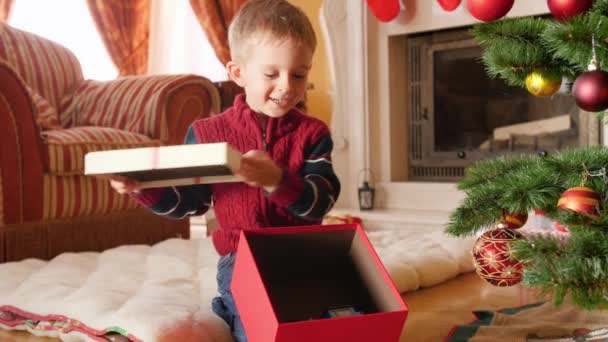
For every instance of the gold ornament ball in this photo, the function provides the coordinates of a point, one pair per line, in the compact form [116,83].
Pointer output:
[539,85]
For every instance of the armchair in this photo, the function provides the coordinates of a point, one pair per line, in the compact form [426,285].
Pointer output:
[50,117]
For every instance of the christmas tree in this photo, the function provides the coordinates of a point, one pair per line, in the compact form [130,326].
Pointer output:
[570,187]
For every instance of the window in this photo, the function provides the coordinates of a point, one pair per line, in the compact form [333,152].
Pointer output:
[178,44]
[78,34]
[177,41]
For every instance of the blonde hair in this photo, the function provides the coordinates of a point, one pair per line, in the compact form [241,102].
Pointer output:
[277,18]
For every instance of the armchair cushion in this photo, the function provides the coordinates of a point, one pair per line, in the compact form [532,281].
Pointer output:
[136,104]
[66,148]
[44,113]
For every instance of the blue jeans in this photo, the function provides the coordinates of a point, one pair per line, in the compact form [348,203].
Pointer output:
[224,305]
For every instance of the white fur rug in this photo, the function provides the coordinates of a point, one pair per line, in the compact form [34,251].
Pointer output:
[163,292]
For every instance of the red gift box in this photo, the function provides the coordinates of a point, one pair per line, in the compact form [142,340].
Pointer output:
[287,279]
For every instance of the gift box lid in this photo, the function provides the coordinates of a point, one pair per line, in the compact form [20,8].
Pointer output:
[287,281]
[167,165]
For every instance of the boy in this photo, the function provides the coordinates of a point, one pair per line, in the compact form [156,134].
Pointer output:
[286,169]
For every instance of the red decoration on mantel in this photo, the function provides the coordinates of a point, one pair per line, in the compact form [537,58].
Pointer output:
[384,10]
[449,5]
[489,10]
[566,9]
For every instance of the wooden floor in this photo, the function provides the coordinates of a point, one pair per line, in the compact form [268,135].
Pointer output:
[434,311]
[432,314]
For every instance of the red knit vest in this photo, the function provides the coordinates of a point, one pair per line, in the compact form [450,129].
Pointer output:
[241,207]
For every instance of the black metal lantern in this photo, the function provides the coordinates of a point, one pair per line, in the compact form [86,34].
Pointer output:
[366,192]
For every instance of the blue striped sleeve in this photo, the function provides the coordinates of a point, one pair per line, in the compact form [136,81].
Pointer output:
[177,202]
[314,192]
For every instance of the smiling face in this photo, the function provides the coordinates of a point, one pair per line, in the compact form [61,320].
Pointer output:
[273,73]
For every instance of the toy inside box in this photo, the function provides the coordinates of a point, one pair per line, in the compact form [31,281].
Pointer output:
[316,283]
[167,165]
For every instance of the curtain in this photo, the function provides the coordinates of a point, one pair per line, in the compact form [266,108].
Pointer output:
[215,17]
[5,9]
[124,27]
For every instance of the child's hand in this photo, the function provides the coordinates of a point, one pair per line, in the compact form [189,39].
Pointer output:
[124,185]
[259,170]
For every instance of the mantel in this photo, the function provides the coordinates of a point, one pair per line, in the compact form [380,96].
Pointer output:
[424,15]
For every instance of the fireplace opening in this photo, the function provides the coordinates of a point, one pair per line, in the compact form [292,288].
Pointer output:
[458,114]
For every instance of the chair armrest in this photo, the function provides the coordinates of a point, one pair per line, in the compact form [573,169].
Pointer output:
[21,157]
[161,107]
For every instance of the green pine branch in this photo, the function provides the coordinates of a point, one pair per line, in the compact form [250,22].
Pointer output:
[577,266]
[570,42]
[600,7]
[527,183]
[513,48]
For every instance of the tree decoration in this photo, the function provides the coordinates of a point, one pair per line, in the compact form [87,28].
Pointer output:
[489,10]
[590,89]
[581,200]
[494,259]
[512,221]
[541,86]
[449,5]
[566,9]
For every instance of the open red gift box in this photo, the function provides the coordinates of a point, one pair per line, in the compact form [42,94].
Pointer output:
[314,283]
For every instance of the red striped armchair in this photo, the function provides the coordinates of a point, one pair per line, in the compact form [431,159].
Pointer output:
[50,117]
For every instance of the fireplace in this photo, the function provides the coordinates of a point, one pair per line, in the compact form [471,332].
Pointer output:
[369,71]
[458,115]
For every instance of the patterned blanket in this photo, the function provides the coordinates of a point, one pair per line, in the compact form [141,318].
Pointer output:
[540,322]
[163,292]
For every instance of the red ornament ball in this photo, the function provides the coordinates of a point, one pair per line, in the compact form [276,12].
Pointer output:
[590,90]
[449,5]
[494,261]
[581,200]
[566,9]
[511,221]
[489,10]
